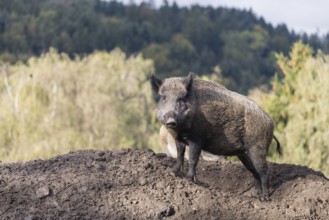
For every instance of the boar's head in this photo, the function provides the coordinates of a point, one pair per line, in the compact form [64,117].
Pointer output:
[175,101]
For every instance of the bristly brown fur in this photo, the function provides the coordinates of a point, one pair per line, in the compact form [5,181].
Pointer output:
[210,117]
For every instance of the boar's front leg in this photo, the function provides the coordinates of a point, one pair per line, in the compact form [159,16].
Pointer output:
[194,155]
[180,157]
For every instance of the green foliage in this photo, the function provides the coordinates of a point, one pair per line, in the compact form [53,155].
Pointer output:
[79,98]
[54,104]
[179,39]
[242,50]
[216,76]
[299,105]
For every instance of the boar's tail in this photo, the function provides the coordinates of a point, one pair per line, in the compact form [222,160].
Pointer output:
[278,146]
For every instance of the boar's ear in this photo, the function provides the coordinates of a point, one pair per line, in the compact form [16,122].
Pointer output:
[188,80]
[155,83]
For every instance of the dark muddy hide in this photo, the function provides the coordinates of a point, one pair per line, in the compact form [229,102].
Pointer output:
[175,105]
[206,116]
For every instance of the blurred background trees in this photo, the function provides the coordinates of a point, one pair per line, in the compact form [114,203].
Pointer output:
[75,97]
[299,104]
[54,104]
[178,39]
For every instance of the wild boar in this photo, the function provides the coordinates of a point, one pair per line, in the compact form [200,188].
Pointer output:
[207,116]
[168,145]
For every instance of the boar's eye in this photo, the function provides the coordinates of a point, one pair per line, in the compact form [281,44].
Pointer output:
[181,100]
[163,98]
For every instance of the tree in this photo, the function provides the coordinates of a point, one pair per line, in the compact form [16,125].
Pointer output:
[299,105]
[242,50]
[53,104]
[237,40]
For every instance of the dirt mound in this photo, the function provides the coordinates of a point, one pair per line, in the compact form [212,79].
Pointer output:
[133,184]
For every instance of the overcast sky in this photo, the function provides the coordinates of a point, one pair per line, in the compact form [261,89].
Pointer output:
[310,16]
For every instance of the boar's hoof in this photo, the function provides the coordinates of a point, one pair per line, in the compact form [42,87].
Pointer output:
[177,168]
[191,177]
[255,193]
[264,199]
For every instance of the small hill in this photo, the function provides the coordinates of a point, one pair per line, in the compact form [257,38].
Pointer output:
[136,184]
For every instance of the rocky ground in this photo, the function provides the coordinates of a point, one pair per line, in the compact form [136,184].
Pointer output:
[135,184]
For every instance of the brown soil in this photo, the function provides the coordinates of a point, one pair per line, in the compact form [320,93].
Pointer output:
[134,184]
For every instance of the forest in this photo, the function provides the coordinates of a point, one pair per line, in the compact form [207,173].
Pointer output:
[177,39]
[73,74]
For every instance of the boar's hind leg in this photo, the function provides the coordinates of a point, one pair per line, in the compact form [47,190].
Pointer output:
[258,159]
[180,157]
[250,166]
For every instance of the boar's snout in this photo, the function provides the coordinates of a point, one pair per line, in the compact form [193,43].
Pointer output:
[171,123]
[169,119]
